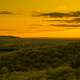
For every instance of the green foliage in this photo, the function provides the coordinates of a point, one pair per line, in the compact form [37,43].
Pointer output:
[61,73]
[39,59]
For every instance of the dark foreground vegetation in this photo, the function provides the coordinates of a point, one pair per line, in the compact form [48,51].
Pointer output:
[39,59]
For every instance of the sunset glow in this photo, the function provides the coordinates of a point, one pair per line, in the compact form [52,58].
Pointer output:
[40,18]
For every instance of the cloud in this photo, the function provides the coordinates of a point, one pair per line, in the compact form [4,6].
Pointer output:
[36,24]
[65,25]
[53,14]
[6,13]
[74,20]
[59,14]
[7,30]
[57,20]
[50,30]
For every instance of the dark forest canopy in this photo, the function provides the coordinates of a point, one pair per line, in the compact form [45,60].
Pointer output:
[58,59]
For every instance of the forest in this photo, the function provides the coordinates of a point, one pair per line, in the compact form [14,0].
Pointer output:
[39,59]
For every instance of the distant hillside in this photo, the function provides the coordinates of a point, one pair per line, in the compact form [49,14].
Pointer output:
[35,41]
[9,37]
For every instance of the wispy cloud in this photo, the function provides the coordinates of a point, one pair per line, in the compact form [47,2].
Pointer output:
[39,31]
[57,20]
[7,30]
[65,25]
[6,13]
[59,14]
[74,20]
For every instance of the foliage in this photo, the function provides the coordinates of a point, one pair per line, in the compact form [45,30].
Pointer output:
[39,59]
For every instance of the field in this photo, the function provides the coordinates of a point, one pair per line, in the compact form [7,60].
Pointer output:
[39,58]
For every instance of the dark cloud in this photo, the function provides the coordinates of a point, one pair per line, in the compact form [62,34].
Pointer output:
[55,14]
[59,14]
[57,20]
[75,14]
[65,25]
[53,20]
[75,20]
[5,13]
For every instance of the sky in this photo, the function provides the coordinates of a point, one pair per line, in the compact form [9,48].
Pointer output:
[40,18]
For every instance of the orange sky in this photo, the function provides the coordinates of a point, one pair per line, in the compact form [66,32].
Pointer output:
[20,22]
